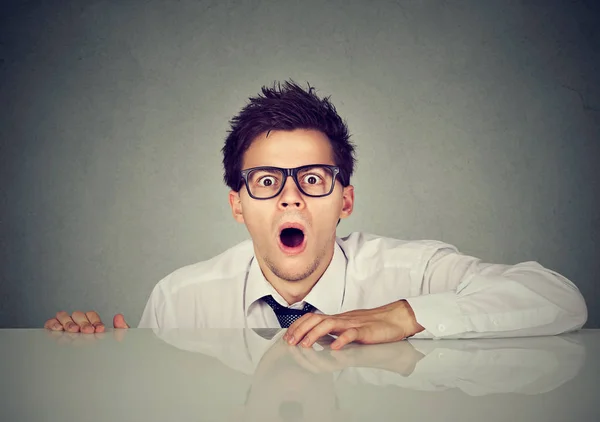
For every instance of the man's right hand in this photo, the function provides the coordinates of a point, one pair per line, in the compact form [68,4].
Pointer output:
[88,322]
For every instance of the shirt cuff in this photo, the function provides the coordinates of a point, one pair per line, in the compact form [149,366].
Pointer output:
[439,314]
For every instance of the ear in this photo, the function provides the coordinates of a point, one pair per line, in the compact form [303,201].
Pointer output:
[236,206]
[347,201]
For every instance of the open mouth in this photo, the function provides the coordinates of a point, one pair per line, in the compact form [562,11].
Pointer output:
[291,237]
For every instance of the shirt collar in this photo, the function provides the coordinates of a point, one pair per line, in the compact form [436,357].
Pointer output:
[327,294]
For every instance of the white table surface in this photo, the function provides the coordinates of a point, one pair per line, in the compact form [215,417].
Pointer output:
[228,375]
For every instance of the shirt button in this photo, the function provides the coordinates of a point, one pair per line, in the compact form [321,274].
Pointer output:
[495,321]
[442,327]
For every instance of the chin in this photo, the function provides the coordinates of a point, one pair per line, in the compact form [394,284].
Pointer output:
[293,272]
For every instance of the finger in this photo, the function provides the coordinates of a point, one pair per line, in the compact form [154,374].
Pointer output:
[53,324]
[119,321]
[84,324]
[95,320]
[299,321]
[294,326]
[67,323]
[348,336]
[326,326]
[324,342]
[300,327]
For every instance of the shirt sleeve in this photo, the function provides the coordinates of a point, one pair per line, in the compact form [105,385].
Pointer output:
[157,311]
[462,297]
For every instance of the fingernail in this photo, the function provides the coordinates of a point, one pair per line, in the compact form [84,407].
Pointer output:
[56,327]
[305,342]
[291,340]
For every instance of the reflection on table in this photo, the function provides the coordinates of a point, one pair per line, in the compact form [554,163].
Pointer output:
[254,375]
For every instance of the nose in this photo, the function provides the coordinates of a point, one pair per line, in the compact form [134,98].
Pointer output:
[290,195]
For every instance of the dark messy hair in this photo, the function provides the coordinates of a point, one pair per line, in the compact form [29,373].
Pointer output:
[286,106]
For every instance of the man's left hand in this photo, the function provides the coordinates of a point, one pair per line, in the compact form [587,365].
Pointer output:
[388,323]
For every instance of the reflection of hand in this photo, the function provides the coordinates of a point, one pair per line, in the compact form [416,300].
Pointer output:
[284,390]
[388,323]
[398,357]
[87,323]
[65,338]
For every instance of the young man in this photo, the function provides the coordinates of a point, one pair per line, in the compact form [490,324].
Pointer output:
[288,161]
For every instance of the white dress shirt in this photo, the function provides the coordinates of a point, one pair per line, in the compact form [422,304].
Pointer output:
[452,295]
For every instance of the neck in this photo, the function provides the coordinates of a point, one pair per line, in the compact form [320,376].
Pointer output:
[296,291]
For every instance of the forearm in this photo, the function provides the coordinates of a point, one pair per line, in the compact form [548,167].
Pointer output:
[502,301]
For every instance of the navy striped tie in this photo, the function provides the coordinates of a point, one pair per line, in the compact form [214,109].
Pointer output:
[287,316]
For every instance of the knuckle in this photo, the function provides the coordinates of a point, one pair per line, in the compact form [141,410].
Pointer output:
[329,322]
[317,318]
[349,333]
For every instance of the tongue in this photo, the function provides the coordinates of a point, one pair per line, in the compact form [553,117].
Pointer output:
[292,237]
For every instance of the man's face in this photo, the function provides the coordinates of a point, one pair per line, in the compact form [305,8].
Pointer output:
[310,251]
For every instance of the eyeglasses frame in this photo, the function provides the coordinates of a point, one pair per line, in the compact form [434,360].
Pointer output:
[293,172]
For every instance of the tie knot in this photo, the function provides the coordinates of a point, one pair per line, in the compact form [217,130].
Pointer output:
[286,316]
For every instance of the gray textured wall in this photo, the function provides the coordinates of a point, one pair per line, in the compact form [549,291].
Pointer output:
[477,123]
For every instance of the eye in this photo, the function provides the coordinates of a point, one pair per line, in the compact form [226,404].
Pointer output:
[267,181]
[311,179]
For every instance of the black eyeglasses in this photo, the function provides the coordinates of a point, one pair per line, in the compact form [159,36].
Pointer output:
[314,180]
